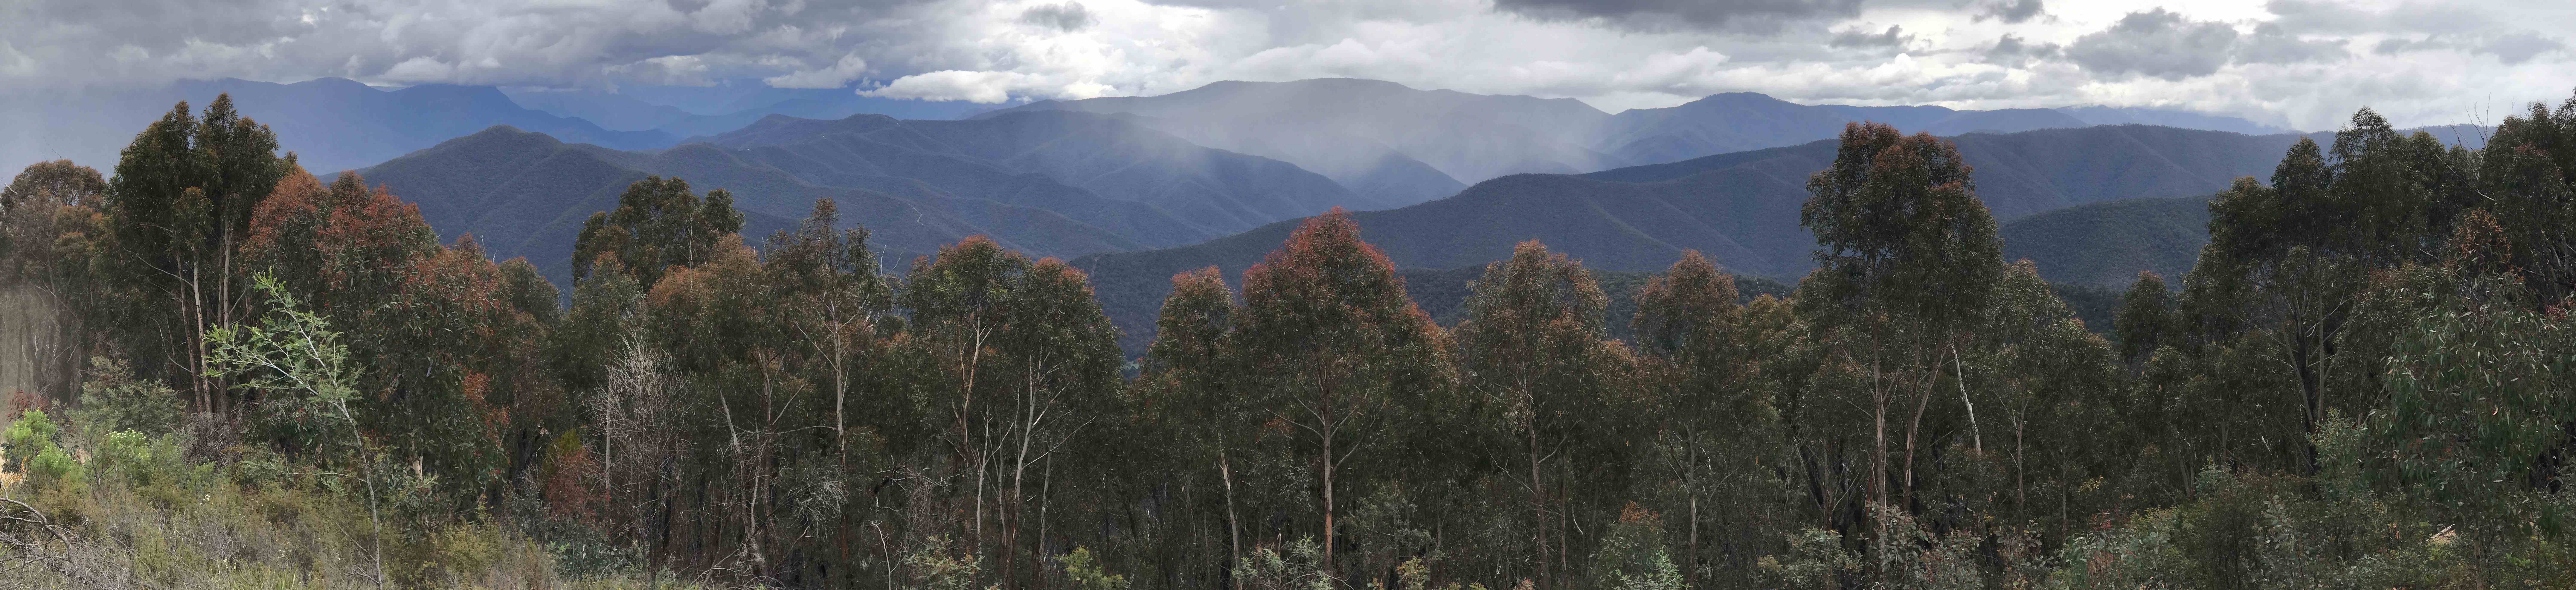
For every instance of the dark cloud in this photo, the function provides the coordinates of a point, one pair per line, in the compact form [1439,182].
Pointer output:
[2011,11]
[2520,47]
[1894,36]
[2156,43]
[2016,50]
[1067,17]
[1666,14]
[2161,44]
[2510,48]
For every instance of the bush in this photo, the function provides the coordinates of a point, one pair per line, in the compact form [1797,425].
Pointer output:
[44,462]
[113,399]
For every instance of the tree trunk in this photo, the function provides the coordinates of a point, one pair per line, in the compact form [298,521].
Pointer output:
[1233,525]
[1538,508]
[1878,475]
[1914,426]
[1328,499]
[1690,568]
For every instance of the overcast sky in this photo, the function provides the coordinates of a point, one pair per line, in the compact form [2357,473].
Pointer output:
[2305,63]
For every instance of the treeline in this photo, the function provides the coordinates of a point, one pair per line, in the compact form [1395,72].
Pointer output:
[2364,382]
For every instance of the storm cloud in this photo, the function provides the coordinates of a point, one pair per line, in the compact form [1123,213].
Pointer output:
[1661,14]
[2420,62]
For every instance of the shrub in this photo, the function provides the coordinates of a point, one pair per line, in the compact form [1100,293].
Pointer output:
[113,399]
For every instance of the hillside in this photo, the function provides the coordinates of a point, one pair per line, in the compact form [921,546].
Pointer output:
[331,124]
[1050,184]
[2106,244]
[1036,158]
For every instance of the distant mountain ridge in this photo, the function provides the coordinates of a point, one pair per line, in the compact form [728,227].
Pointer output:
[1740,121]
[1740,208]
[1408,146]
[687,111]
[1050,184]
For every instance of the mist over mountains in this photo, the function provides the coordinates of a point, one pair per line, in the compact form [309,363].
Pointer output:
[690,111]
[1378,137]
[1388,143]
[1050,184]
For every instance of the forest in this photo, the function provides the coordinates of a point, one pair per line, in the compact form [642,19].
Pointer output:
[243,374]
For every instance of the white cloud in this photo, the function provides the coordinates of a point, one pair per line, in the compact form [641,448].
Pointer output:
[976,87]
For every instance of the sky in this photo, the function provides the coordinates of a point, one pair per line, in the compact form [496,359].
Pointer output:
[2303,63]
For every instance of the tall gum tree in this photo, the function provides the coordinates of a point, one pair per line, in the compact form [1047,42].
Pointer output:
[1534,344]
[1907,258]
[182,194]
[1700,364]
[1190,365]
[1327,318]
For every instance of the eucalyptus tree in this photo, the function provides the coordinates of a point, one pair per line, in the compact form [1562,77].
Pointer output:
[48,227]
[1534,344]
[2528,180]
[2055,386]
[834,300]
[1061,361]
[181,197]
[2286,261]
[1701,369]
[1338,345]
[960,302]
[1907,261]
[659,223]
[1191,366]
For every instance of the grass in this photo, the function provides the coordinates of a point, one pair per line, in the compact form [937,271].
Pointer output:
[141,514]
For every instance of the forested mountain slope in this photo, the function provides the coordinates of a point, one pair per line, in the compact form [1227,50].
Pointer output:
[1740,209]
[2106,244]
[1211,192]
[1051,184]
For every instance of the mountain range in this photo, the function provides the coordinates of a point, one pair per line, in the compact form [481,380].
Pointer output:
[1051,183]
[1411,145]
[689,111]
[2058,192]
[1385,142]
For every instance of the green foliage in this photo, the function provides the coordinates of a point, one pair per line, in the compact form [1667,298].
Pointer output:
[113,398]
[1299,567]
[936,565]
[1632,555]
[1815,559]
[34,446]
[658,224]
[298,361]
[2372,400]
[1086,573]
